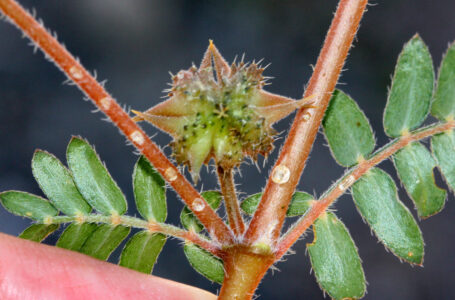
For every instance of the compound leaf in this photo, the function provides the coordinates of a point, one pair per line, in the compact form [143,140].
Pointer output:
[149,191]
[142,250]
[415,166]
[93,180]
[335,260]
[347,130]
[411,91]
[57,183]
[375,196]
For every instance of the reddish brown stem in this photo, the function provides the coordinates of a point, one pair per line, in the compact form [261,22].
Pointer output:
[231,202]
[187,236]
[101,98]
[243,273]
[270,215]
[320,206]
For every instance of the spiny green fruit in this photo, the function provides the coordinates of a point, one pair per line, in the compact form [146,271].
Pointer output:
[225,117]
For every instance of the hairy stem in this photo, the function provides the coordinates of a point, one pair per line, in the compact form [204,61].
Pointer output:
[271,212]
[226,179]
[351,176]
[243,273]
[101,98]
[166,229]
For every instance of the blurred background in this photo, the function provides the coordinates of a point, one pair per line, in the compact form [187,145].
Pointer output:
[134,44]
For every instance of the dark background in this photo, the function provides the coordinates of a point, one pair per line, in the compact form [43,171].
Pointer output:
[135,43]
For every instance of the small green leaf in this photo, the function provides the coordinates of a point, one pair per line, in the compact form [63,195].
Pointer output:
[443,106]
[415,166]
[38,232]
[189,220]
[75,235]
[375,196]
[104,240]
[411,91]
[93,180]
[335,260]
[205,263]
[250,204]
[443,146]
[56,182]
[142,250]
[300,203]
[347,130]
[27,205]
[213,198]
[149,191]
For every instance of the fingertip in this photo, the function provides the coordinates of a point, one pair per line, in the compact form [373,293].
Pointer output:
[30,270]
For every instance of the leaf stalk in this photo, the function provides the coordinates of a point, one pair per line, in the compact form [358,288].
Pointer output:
[166,229]
[350,177]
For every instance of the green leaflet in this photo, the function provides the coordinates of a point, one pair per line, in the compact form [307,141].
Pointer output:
[204,262]
[415,166]
[142,250]
[149,191]
[375,196]
[104,240]
[250,203]
[56,182]
[189,220]
[27,205]
[335,260]
[38,232]
[75,235]
[443,146]
[300,203]
[411,91]
[93,180]
[443,106]
[347,130]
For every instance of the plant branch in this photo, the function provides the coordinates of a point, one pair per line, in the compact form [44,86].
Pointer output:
[231,202]
[271,212]
[166,229]
[351,176]
[101,98]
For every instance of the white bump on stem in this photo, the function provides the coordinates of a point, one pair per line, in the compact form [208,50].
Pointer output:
[198,204]
[281,174]
[106,103]
[137,137]
[346,182]
[170,174]
[306,116]
[76,72]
